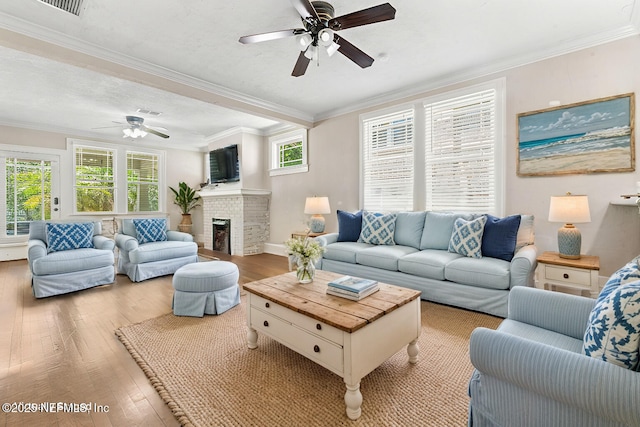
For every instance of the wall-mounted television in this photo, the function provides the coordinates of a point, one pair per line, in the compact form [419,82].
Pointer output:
[224,165]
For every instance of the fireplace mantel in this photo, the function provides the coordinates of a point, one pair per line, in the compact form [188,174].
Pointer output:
[217,192]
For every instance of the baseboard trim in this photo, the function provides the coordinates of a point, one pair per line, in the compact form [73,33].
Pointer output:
[275,249]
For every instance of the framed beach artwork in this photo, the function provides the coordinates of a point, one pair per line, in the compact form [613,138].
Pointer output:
[587,137]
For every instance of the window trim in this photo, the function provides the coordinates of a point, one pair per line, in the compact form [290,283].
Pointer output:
[276,141]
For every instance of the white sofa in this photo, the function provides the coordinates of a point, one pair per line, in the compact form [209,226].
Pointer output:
[420,259]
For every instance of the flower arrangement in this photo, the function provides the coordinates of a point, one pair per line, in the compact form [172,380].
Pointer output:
[305,253]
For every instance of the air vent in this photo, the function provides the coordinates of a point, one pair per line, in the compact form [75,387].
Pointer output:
[148,112]
[71,6]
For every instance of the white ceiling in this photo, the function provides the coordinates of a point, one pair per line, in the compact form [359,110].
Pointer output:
[74,74]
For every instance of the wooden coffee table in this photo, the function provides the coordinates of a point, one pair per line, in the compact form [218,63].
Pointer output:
[350,338]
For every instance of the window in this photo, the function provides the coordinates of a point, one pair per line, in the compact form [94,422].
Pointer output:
[111,179]
[452,159]
[95,185]
[142,182]
[387,162]
[289,153]
[460,153]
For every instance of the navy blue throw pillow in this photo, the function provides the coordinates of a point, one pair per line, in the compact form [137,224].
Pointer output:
[349,226]
[500,237]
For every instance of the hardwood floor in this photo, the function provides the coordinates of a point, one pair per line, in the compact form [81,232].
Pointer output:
[63,348]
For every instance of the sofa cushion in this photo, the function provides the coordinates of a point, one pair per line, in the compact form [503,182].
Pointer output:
[150,230]
[438,227]
[69,236]
[466,238]
[377,228]
[71,261]
[383,257]
[344,251]
[485,272]
[409,226]
[526,232]
[500,237]
[349,226]
[160,251]
[613,331]
[429,263]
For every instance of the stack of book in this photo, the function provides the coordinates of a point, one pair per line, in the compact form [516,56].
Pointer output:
[352,288]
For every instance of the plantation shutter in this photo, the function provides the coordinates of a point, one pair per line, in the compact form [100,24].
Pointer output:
[388,162]
[460,139]
[142,182]
[95,180]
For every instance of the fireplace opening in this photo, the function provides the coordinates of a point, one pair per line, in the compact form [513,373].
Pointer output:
[222,235]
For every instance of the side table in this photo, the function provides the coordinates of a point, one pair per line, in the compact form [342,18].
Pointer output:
[302,234]
[581,274]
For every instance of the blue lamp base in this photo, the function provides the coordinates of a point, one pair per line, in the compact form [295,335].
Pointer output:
[569,242]
[316,224]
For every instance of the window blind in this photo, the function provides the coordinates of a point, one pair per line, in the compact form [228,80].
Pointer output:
[387,162]
[142,182]
[460,160]
[95,181]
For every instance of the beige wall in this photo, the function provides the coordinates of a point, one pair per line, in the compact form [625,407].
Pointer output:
[613,234]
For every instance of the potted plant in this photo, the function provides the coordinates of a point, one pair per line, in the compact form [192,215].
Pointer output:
[186,199]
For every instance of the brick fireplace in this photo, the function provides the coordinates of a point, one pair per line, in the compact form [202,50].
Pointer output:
[248,215]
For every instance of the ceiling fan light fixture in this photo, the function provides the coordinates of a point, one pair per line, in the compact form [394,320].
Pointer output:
[325,37]
[304,40]
[133,133]
[332,48]
[312,52]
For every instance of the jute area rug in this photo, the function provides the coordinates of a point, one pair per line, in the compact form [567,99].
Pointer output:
[204,371]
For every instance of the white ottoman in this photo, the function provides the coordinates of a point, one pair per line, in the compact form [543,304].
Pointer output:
[205,288]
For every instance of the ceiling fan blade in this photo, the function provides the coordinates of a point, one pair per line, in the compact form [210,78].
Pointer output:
[301,65]
[305,9]
[353,53]
[383,12]
[274,35]
[155,132]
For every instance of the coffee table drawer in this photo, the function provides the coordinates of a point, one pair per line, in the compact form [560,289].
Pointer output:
[311,325]
[321,351]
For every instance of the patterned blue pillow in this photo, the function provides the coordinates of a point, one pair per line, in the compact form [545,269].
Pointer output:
[68,236]
[378,229]
[613,332]
[466,238]
[150,230]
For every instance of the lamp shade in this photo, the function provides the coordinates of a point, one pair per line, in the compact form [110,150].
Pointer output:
[317,205]
[569,209]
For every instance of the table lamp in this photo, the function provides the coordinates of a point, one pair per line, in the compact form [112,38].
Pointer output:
[316,206]
[569,209]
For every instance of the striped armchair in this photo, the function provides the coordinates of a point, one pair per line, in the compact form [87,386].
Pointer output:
[531,371]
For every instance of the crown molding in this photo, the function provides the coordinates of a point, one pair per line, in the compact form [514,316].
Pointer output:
[633,29]
[41,33]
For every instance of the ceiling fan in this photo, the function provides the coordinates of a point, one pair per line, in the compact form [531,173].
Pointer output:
[320,28]
[137,128]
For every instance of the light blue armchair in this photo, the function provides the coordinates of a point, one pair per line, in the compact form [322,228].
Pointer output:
[147,249]
[531,370]
[68,256]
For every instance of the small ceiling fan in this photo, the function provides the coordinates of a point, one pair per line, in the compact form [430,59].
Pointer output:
[320,28]
[137,128]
